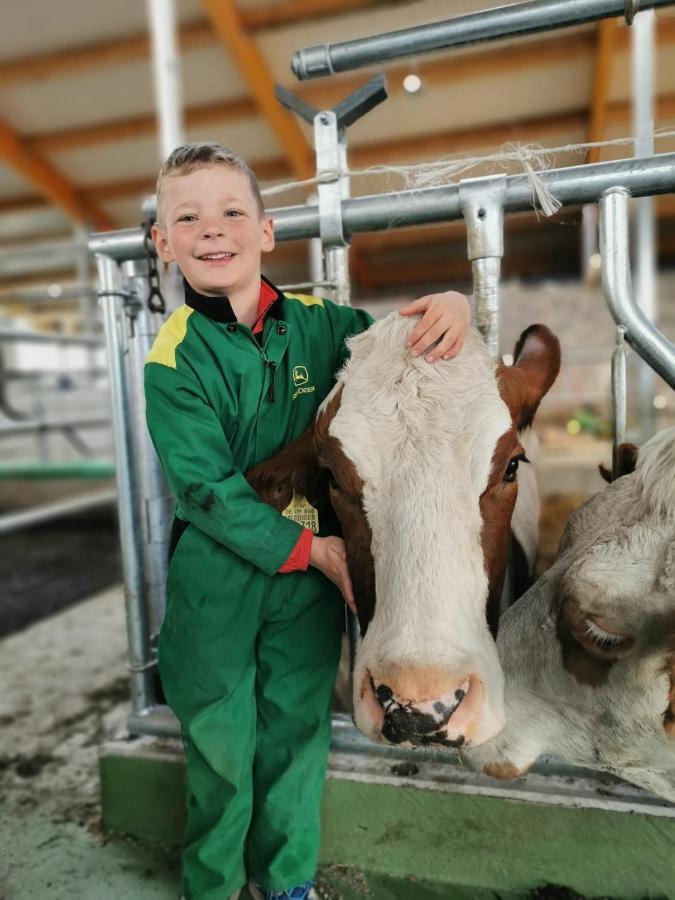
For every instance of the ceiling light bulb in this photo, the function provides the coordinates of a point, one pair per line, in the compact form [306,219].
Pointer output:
[412,83]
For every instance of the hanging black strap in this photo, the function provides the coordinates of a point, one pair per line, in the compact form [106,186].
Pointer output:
[155,299]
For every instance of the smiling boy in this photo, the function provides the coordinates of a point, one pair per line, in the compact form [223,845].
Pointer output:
[250,641]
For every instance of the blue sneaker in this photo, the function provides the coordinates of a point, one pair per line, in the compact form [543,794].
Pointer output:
[300,892]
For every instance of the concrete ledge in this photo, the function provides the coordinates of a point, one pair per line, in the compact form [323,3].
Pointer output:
[401,841]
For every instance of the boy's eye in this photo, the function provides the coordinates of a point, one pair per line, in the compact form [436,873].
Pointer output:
[188,217]
[232,212]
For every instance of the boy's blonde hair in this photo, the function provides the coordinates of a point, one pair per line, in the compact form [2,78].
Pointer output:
[199,155]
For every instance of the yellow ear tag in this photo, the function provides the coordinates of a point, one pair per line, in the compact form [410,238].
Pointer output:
[300,510]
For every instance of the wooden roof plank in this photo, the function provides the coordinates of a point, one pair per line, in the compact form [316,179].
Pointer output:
[47,179]
[226,21]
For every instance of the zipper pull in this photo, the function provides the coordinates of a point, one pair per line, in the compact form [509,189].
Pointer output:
[273,370]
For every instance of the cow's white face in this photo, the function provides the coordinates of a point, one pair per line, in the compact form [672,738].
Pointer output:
[588,652]
[423,462]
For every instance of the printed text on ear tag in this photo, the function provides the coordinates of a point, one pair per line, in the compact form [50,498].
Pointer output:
[300,510]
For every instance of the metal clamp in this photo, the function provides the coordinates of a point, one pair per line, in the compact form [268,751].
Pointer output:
[482,204]
[630,10]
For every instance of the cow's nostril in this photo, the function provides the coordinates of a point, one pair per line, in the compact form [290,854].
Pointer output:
[383,693]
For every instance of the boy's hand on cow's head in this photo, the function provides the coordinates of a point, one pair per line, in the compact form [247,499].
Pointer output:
[328,555]
[446,316]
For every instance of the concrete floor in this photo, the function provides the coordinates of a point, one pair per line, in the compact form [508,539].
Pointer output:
[64,687]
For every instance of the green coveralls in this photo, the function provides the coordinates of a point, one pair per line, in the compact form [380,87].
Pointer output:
[247,657]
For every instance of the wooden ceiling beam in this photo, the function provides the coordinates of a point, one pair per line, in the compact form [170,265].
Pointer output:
[227,23]
[325,94]
[48,181]
[193,35]
[606,32]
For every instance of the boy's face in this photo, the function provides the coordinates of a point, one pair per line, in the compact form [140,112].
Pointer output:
[212,229]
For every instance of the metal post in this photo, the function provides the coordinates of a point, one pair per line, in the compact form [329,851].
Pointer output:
[316,261]
[333,189]
[111,298]
[166,69]
[153,497]
[642,45]
[641,334]
[618,397]
[479,27]
[482,202]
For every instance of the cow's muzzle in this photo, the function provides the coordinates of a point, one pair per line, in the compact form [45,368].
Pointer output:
[404,716]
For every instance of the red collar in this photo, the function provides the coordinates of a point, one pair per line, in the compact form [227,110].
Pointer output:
[268,295]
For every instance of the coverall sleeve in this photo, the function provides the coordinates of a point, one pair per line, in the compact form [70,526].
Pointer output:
[210,492]
[346,322]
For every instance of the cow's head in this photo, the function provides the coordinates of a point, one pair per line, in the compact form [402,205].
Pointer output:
[421,462]
[588,653]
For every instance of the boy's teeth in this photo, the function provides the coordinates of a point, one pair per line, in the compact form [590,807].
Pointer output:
[216,256]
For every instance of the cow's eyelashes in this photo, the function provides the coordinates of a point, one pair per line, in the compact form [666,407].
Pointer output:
[512,468]
[601,639]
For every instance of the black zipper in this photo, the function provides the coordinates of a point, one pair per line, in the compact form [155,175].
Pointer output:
[273,369]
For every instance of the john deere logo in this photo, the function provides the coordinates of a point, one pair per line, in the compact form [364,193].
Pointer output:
[300,375]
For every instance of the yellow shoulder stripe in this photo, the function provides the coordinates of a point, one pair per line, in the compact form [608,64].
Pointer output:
[305,299]
[171,334]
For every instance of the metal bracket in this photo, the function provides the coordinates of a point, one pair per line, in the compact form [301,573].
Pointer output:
[347,111]
[630,10]
[482,203]
[332,173]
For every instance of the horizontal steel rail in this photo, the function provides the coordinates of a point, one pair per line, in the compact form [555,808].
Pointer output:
[400,209]
[40,337]
[51,425]
[27,518]
[475,28]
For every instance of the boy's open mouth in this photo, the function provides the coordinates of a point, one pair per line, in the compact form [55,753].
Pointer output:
[215,259]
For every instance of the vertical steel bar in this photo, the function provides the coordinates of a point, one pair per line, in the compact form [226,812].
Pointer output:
[153,497]
[619,395]
[482,203]
[331,167]
[642,43]
[166,71]
[111,299]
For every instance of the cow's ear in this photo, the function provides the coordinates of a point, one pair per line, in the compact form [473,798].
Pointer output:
[294,470]
[535,368]
[627,460]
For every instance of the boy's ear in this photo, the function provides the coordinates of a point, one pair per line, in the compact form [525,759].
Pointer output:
[161,243]
[267,243]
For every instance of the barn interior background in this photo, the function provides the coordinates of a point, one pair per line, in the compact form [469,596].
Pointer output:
[80,144]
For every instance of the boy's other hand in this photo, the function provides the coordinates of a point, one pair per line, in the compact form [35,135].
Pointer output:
[328,556]
[446,316]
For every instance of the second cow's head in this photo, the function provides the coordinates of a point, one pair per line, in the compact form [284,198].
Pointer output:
[419,463]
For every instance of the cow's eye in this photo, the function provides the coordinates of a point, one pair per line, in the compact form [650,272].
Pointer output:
[603,640]
[512,468]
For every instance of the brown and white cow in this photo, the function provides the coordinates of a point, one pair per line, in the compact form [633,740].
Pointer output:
[588,653]
[421,463]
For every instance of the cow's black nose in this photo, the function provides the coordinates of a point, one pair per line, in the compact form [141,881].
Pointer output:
[383,693]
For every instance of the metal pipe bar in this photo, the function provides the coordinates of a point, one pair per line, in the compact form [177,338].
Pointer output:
[154,501]
[166,72]
[475,28]
[43,425]
[33,374]
[641,334]
[138,641]
[16,521]
[619,397]
[645,238]
[400,209]
[40,337]
[53,293]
